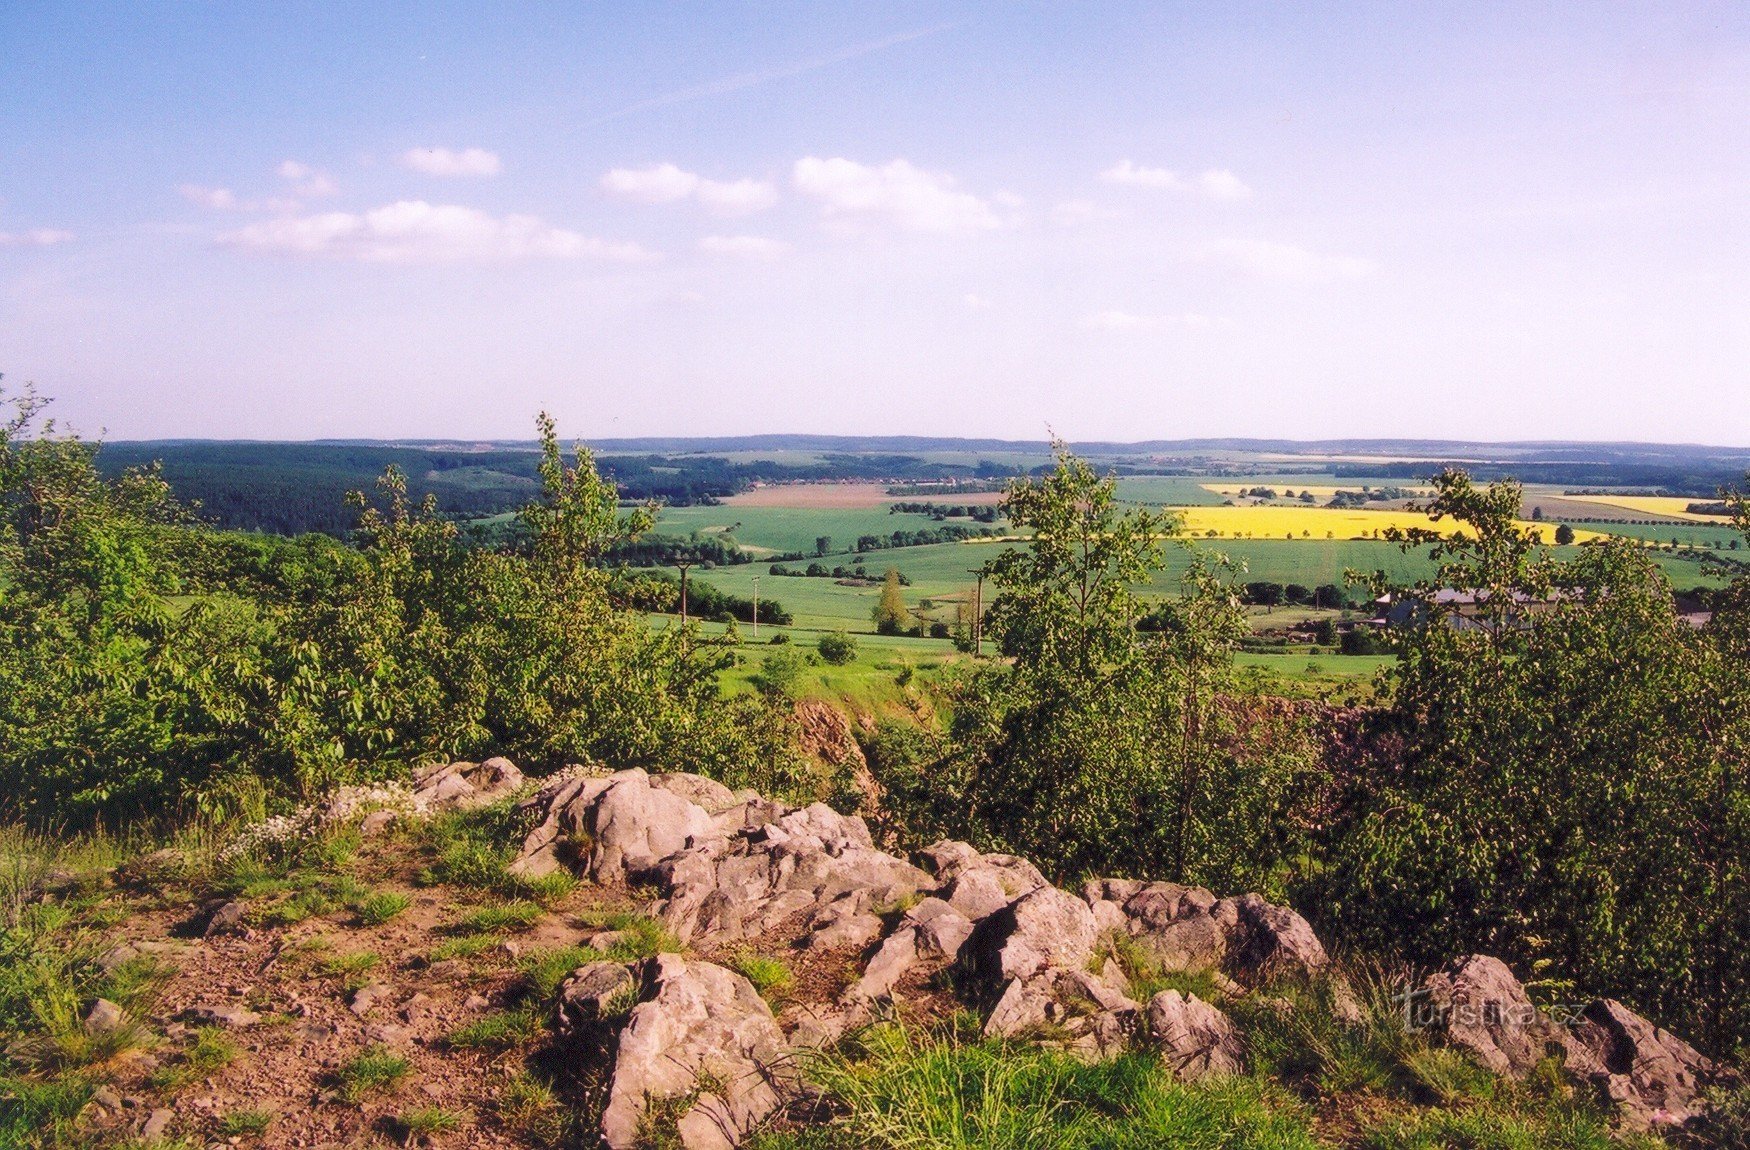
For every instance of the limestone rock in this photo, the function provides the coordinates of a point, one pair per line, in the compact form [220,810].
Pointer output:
[1195,1039]
[105,1017]
[229,1015]
[701,1029]
[591,995]
[228,918]
[465,786]
[621,824]
[1267,941]
[1651,1076]
[1478,1006]
[740,887]
[1048,927]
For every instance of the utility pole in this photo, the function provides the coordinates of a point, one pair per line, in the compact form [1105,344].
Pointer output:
[978,612]
[683,567]
[756,608]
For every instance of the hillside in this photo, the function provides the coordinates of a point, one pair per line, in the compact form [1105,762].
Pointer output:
[653,960]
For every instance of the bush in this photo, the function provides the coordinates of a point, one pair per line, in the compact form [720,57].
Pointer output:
[837,648]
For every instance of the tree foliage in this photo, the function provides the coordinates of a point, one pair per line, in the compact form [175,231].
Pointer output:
[1097,748]
[148,662]
[1570,790]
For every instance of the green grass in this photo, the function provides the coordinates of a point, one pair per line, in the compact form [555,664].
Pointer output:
[211,1051]
[499,1031]
[464,946]
[417,1126]
[772,977]
[545,970]
[352,968]
[530,1108]
[376,1071]
[896,1091]
[1554,1127]
[246,1123]
[548,889]
[380,907]
[501,918]
[642,936]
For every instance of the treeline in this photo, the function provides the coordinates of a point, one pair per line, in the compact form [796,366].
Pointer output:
[151,665]
[293,488]
[982,513]
[661,592]
[822,571]
[922,537]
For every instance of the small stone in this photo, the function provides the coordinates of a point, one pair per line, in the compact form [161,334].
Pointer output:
[230,1015]
[156,1124]
[105,1017]
[227,919]
[367,997]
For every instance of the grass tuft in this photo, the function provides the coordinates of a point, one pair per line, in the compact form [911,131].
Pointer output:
[499,1031]
[772,977]
[418,1125]
[380,907]
[246,1123]
[502,918]
[376,1071]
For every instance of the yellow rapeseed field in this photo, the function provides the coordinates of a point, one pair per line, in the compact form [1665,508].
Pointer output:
[1324,523]
[1672,506]
[1306,523]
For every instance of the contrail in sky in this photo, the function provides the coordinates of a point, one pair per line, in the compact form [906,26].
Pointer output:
[753,79]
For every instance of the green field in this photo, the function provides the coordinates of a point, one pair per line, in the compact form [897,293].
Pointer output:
[786,529]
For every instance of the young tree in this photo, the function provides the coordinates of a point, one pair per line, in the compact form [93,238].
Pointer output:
[890,614]
[1097,748]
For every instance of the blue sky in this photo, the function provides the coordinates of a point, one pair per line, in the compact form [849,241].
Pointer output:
[1122,221]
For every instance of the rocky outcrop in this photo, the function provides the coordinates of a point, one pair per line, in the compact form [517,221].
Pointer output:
[813,865]
[1478,1006]
[613,825]
[465,786]
[1649,1076]
[694,1044]
[1195,1039]
[1043,928]
[1652,1077]
[1189,930]
[701,1045]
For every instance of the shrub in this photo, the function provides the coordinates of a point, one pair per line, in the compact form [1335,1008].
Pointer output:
[837,648]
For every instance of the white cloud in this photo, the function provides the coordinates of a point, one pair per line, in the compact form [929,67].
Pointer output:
[975,301]
[307,181]
[1072,213]
[897,192]
[218,199]
[35,238]
[662,184]
[667,184]
[736,197]
[1130,321]
[1286,261]
[448,162]
[1221,184]
[413,231]
[1216,183]
[744,247]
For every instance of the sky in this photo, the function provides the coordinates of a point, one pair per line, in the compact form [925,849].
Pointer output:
[1115,221]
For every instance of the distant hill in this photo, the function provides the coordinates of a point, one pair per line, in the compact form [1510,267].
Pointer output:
[289,488]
